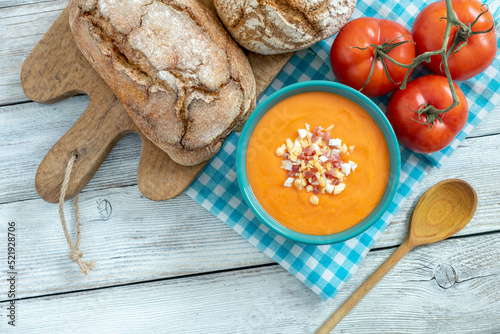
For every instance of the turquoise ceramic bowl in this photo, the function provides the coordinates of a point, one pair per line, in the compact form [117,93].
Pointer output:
[365,103]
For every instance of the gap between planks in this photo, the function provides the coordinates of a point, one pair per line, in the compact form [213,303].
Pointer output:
[189,276]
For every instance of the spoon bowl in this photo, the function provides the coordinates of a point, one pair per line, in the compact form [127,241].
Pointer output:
[443,210]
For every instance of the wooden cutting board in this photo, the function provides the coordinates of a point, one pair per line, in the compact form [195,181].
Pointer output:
[56,70]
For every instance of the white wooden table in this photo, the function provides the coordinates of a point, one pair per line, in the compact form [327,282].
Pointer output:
[172,267]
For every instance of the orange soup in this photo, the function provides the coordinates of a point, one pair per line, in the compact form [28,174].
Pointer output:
[292,207]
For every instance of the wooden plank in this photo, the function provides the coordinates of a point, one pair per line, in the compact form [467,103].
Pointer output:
[414,298]
[145,240]
[23,23]
[130,237]
[22,8]
[16,3]
[22,28]
[489,125]
[45,124]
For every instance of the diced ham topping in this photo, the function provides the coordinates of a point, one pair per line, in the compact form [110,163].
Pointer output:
[308,150]
[330,174]
[315,190]
[313,162]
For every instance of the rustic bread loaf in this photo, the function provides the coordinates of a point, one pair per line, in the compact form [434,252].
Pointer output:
[172,65]
[278,26]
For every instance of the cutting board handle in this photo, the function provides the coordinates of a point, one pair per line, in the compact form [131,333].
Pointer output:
[91,138]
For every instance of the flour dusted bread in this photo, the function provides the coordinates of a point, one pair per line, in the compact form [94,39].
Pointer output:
[172,65]
[278,26]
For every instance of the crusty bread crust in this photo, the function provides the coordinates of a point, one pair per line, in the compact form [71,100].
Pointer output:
[172,65]
[279,26]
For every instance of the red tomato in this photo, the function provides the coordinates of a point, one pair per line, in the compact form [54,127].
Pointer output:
[418,137]
[352,66]
[474,57]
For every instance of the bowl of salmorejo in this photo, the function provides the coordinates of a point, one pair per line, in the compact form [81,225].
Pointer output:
[318,162]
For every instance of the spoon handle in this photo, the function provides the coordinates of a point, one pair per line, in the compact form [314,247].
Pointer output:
[364,288]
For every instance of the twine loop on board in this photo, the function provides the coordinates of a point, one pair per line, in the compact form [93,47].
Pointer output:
[75,254]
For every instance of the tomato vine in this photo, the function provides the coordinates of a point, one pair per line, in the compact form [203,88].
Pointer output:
[463,33]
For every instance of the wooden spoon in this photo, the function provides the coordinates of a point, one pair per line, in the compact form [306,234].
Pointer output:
[442,211]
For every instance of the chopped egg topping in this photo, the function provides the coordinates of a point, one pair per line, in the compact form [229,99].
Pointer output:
[313,161]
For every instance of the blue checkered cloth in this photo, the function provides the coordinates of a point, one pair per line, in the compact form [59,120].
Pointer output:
[325,269]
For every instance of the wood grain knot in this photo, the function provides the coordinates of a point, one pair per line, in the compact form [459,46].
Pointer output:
[105,209]
[255,319]
[445,276]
